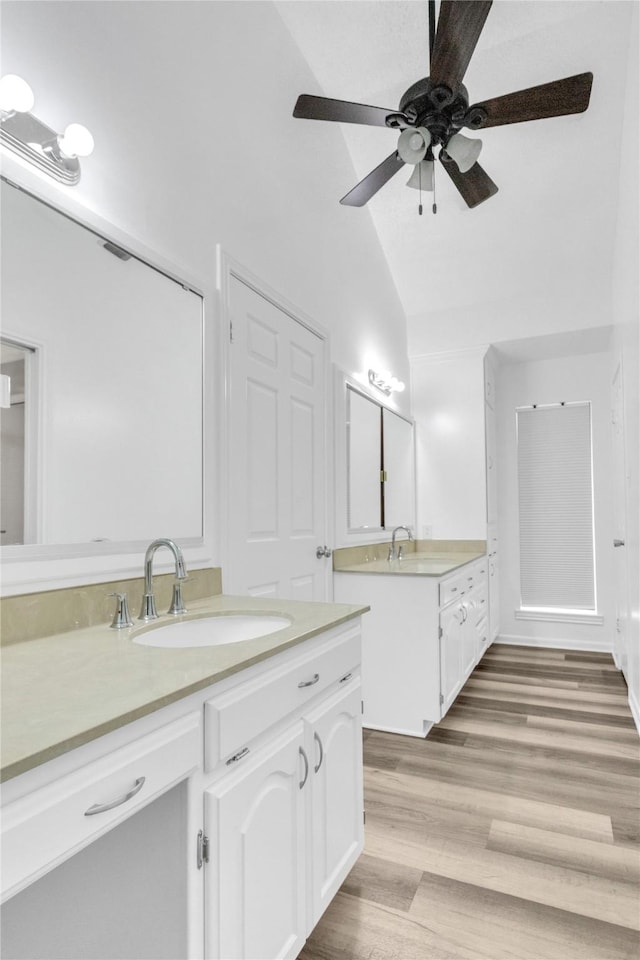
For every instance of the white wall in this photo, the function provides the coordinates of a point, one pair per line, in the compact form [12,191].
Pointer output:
[448,404]
[626,315]
[190,105]
[191,108]
[551,381]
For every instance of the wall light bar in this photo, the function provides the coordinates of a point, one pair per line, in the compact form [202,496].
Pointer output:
[385,382]
[30,138]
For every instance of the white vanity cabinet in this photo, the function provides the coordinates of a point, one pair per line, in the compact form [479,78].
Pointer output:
[250,794]
[285,826]
[421,640]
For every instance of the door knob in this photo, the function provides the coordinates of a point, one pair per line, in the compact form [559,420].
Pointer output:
[618,543]
[323,552]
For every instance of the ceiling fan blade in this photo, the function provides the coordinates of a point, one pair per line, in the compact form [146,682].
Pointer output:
[364,190]
[555,99]
[474,186]
[342,111]
[459,26]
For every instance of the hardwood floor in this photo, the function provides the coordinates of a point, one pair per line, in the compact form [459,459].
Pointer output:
[512,831]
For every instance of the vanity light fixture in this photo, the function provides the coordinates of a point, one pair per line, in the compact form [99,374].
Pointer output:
[385,382]
[31,139]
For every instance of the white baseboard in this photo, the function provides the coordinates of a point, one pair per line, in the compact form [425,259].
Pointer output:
[554,643]
[404,733]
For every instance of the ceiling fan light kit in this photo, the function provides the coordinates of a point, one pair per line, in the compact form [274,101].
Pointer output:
[434,110]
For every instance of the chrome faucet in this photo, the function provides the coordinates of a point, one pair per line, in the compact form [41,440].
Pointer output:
[148,610]
[392,549]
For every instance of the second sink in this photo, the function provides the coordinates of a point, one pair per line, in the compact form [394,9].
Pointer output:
[212,631]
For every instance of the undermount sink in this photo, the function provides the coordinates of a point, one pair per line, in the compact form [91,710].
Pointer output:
[212,631]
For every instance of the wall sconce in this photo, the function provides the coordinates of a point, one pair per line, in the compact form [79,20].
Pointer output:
[385,382]
[31,139]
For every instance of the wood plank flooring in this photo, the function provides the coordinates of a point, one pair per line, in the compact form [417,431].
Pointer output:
[512,831]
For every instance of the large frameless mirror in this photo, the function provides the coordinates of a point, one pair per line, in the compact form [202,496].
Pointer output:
[102,389]
[380,465]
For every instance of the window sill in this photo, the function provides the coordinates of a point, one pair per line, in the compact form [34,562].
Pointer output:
[558,616]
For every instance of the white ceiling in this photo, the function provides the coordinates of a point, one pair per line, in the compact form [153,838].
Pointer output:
[553,221]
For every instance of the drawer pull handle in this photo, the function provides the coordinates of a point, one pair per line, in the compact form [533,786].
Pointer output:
[309,683]
[110,804]
[238,756]
[306,768]
[346,677]
[319,742]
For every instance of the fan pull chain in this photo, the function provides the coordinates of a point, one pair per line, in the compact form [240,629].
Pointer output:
[434,208]
[420,189]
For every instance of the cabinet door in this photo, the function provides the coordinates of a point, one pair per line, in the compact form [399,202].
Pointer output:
[255,896]
[494,596]
[334,736]
[451,623]
[492,487]
[469,639]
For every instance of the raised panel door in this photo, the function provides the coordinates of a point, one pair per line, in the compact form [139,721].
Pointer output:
[277,465]
[255,889]
[451,623]
[334,738]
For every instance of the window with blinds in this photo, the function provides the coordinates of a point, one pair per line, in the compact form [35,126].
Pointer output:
[555,487]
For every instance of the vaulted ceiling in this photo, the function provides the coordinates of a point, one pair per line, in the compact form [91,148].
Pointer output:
[553,221]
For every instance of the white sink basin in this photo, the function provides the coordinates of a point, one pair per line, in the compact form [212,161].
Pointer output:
[212,631]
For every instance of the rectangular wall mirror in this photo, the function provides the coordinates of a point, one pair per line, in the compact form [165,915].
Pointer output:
[380,465]
[102,372]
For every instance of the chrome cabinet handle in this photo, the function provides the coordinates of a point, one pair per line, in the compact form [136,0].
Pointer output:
[319,742]
[238,756]
[306,768]
[309,683]
[110,804]
[346,677]
[323,552]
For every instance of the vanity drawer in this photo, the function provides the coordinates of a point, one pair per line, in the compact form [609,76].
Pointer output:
[471,577]
[453,589]
[235,718]
[52,823]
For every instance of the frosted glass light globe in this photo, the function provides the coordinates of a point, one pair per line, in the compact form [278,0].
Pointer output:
[15,94]
[76,141]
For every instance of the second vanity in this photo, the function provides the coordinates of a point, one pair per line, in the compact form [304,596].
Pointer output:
[427,629]
[194,802]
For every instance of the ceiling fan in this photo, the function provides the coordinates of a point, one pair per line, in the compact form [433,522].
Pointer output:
[432,111]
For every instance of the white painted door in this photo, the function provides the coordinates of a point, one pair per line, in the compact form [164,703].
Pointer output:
[619,521]
[334,745]
[255,890]
[277,456]
[451,621]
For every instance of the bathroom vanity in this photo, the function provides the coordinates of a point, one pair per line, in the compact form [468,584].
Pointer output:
[181,802]
[427,629]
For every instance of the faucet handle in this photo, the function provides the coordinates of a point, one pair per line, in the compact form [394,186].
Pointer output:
[121,616]
[177,603]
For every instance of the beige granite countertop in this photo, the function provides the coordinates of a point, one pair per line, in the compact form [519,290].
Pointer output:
[62,691]
[414,565]
[422,558]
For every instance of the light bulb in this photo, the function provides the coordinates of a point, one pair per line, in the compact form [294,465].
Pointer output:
[76,141]
[16,96]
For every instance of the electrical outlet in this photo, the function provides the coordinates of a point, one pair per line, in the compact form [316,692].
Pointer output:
[427,532]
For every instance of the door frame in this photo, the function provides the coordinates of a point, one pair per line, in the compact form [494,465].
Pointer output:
[228,269]
[621,598]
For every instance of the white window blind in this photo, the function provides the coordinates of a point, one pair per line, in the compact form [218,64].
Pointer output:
[555,485]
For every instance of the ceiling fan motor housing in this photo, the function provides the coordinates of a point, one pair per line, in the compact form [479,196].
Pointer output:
[439,110]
